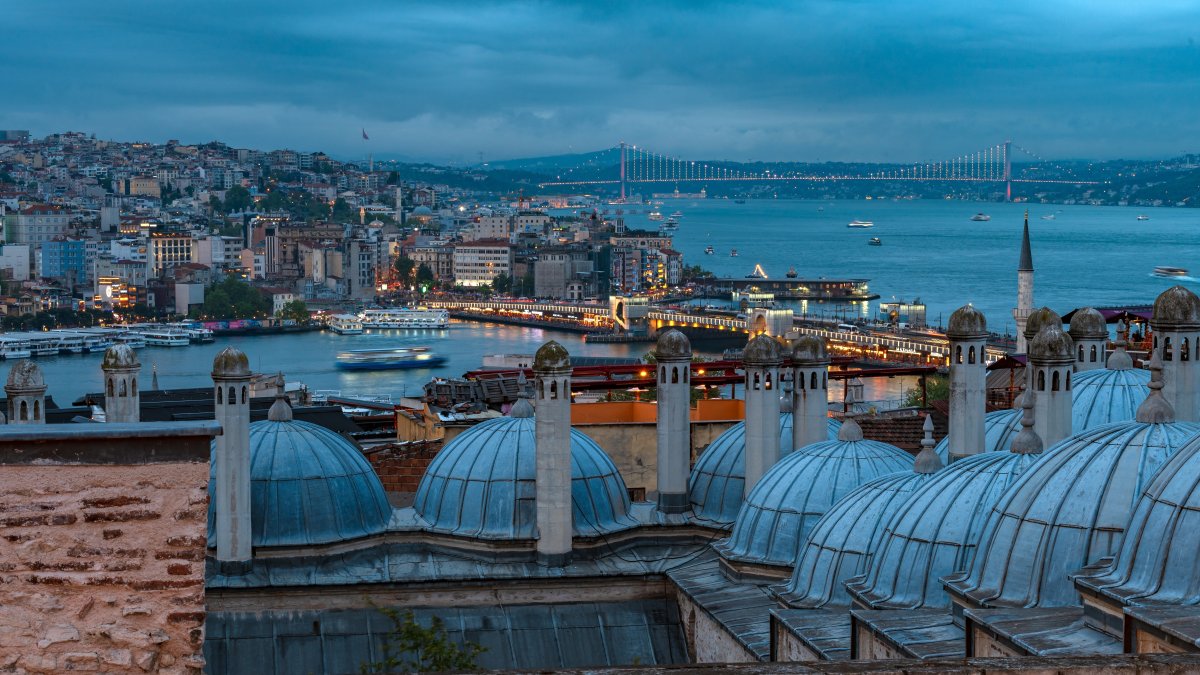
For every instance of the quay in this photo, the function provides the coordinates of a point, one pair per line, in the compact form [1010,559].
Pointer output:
[825,290]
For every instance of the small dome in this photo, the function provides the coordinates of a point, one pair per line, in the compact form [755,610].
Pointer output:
[308,485]
[966,322]
[231,362]
[1103,396]
[1051,346]
[422,211]
[809,350]
[482,485]
[841,543]
[1151,568]
[25,374]
[762,350]
[120,357]
[1068,510]
[1088,324]
[791,497]
[551,356]
[999,427]
[718,479]
[1039,319]
[673,344]
[935,532]
[1176,307]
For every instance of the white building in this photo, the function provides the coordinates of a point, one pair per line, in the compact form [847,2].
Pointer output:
[479,262]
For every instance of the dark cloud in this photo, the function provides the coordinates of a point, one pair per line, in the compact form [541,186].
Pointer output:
[846,79]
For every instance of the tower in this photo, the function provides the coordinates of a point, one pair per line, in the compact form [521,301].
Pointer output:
[1089,332]
[761,360]
[26,392]
[1176,324]
[1051,363]
[1024,289]
[810,391]
[231,491]
[967,333]
[552,434]
[122,401]
[674,357]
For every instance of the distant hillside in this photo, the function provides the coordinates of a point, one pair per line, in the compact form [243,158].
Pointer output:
[553,163]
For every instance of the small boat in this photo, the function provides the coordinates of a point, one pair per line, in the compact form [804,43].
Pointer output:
[791,273]
[1048,216]
[981,217]
[677,214]
[1143,217]
[733,253]
[1169,272]
[860,223]
[389,359]
[708,250]
[875,242]
[655,215]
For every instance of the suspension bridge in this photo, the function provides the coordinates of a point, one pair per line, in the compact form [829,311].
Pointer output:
[989,165]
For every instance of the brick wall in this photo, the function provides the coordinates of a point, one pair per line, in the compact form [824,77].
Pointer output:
[400,467]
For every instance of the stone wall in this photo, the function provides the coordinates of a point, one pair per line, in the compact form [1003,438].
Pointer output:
[102,564]
[707,640]
[400,468]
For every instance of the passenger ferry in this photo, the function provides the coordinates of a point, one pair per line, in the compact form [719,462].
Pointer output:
[981,217]
[404,317]
[346,324]
[389,359]
[860,223]
[1170,272]
[14,349]
[194,331]
[165,337]
[655,215]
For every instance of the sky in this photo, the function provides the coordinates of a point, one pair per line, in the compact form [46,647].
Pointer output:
[453,81]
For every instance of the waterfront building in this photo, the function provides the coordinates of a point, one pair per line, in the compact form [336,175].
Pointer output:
[478,263]
[165,250]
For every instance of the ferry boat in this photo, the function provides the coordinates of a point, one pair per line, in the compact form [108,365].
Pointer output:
[404,317]
[708,250]
[981,217]
[655,215]
[14,349]
[194,332]
[389,359]
[345,324]
[165,337]
[1048,216]
[1170,272]
[1143,217]
[861,223]
[875,242]
[733,253]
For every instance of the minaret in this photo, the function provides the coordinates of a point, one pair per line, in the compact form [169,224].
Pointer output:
[761,360]
[552,432]
[810,391]
[674,357]
[1024,288]
[1090,334]
[968,334]
[1051,364]
[1176,324]
[122,401]
[26,392]
[231,491]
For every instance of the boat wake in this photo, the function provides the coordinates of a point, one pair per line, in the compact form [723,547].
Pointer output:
[1183,278]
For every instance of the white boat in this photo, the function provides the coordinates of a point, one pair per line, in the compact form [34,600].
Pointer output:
[404,317]
[1169,272]
[708,250]
[860,223]
[14,349]
[165,337]
[346,324]
[733,253]
[195,332]
[981,217]
[655,215]
[1048,216]
[1143,217]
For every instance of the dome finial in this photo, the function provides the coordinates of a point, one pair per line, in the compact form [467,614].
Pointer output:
[1119,359]
[1156,409]
[850,430]
[281,409]
[154,377]
[1027,442]
[927,460]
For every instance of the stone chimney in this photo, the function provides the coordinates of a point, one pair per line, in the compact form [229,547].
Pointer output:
[1051,364]
[674,356]
[967,333]
[122,401]
[761,360]
[231,491]
[552,430]
[26,392]
[1089,332]
[810,391]
[1176,324]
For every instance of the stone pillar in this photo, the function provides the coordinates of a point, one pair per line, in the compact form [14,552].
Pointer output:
[1051,365]
[761,360]
[1176,324]
[1089,332]
[810,391]
[552,430]
[122,401]
[967,333]
[1024,290]
[674,357]
[26,392]
[231,492]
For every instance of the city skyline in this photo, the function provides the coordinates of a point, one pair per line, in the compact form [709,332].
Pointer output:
[859,81]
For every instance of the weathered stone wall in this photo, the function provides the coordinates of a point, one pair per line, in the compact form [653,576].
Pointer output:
[400,468]
[707,640]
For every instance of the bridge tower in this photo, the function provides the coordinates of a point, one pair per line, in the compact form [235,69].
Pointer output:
[622,172]
[1007,171]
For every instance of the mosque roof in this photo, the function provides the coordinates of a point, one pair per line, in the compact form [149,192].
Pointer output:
[718,479]
[809,349]
[308,486]
[1087,324]
[1103,396]
[762,350]
[792,495]
[966,322]
[120,355]
[999,427]
[673,344]
[1176,307]
[231,362]
[482,484]
[1067,511]
[1040,318]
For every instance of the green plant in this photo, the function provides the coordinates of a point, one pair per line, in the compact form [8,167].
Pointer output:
[411,647]
[937,388]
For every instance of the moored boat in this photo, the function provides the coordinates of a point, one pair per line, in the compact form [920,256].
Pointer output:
[346,324]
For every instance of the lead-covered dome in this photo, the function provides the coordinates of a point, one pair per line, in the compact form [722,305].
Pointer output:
[120,357]
[1067,511]
[483,484]
[717,483]
[1103,396]
[673,344]
[791,497]
[965,323]
[308,485]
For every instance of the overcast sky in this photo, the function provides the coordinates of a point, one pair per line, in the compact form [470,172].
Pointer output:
[871,80]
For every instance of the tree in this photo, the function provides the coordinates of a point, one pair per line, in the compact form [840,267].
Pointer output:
[424,275]
[404,267]
[237,198]
[232,298]
[413,648]
[937,388]
[295,310]
[342,211]
[215,204]
[393,178]
[502,283]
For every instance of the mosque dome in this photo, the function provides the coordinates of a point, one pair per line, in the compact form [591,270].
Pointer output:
[308,485]
[422,211]
[1176,307]
[482,484]
[999,427]
[1068,510]
[762,350]
[25,374]
[551,356]
[231,362]
[966,322]
[718,479]
[935,531]
[1103,396]
[792,495]
[809,349]
[120,356]
[673,344]
[1088,324]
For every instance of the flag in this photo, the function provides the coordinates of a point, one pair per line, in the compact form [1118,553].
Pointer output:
[365,137]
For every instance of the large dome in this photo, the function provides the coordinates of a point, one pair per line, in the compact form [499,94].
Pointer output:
[482,484]
[1102,396]
[1067,511]
[718,479]
[999,427]
[935,531]
[791,497]
[308,485]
